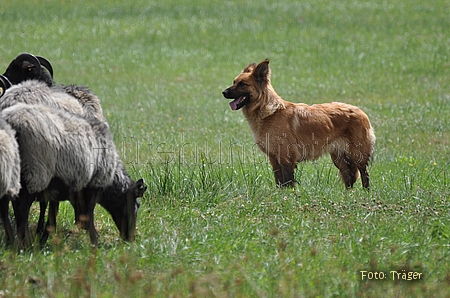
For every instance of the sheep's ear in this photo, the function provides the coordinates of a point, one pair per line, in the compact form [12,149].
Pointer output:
[141,187]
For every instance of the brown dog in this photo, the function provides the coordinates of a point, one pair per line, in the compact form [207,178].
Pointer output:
[289,133]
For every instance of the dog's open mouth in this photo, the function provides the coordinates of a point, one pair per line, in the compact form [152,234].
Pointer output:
[239,102]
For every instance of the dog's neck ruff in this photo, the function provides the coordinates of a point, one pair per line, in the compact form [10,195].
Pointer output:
[266,105]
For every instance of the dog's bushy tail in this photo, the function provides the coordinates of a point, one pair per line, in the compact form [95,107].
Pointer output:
[372,138]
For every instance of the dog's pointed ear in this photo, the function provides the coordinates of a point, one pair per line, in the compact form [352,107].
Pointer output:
[249,68]
[262,72]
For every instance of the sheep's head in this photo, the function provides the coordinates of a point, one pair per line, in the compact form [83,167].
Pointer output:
[124,207]
[26,67]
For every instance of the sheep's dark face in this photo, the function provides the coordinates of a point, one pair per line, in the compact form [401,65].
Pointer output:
[25,70]
[124,213]
[28,67]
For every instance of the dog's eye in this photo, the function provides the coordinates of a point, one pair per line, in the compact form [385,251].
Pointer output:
[242,84]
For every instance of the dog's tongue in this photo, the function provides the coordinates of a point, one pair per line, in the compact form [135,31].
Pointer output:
[234,103]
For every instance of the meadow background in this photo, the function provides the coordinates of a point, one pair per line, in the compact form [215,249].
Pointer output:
[212,223]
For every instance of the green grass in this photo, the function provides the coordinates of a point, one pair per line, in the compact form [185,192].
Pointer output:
[212,223]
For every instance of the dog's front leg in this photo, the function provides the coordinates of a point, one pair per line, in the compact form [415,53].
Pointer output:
[284,173]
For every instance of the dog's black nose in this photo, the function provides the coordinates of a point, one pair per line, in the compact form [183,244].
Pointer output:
[229,93]
[226,92]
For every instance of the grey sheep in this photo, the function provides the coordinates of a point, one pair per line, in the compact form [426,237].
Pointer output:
[9,174]
[86,106]
[9,161]
[55,144]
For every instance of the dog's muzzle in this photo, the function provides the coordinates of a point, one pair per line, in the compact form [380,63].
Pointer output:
[228,93]
[239,100]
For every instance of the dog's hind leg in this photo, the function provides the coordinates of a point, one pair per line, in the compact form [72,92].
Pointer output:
[364,175]
[347,168]
[284,173]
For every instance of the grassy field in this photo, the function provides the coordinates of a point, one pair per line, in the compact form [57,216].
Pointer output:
[212,223]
